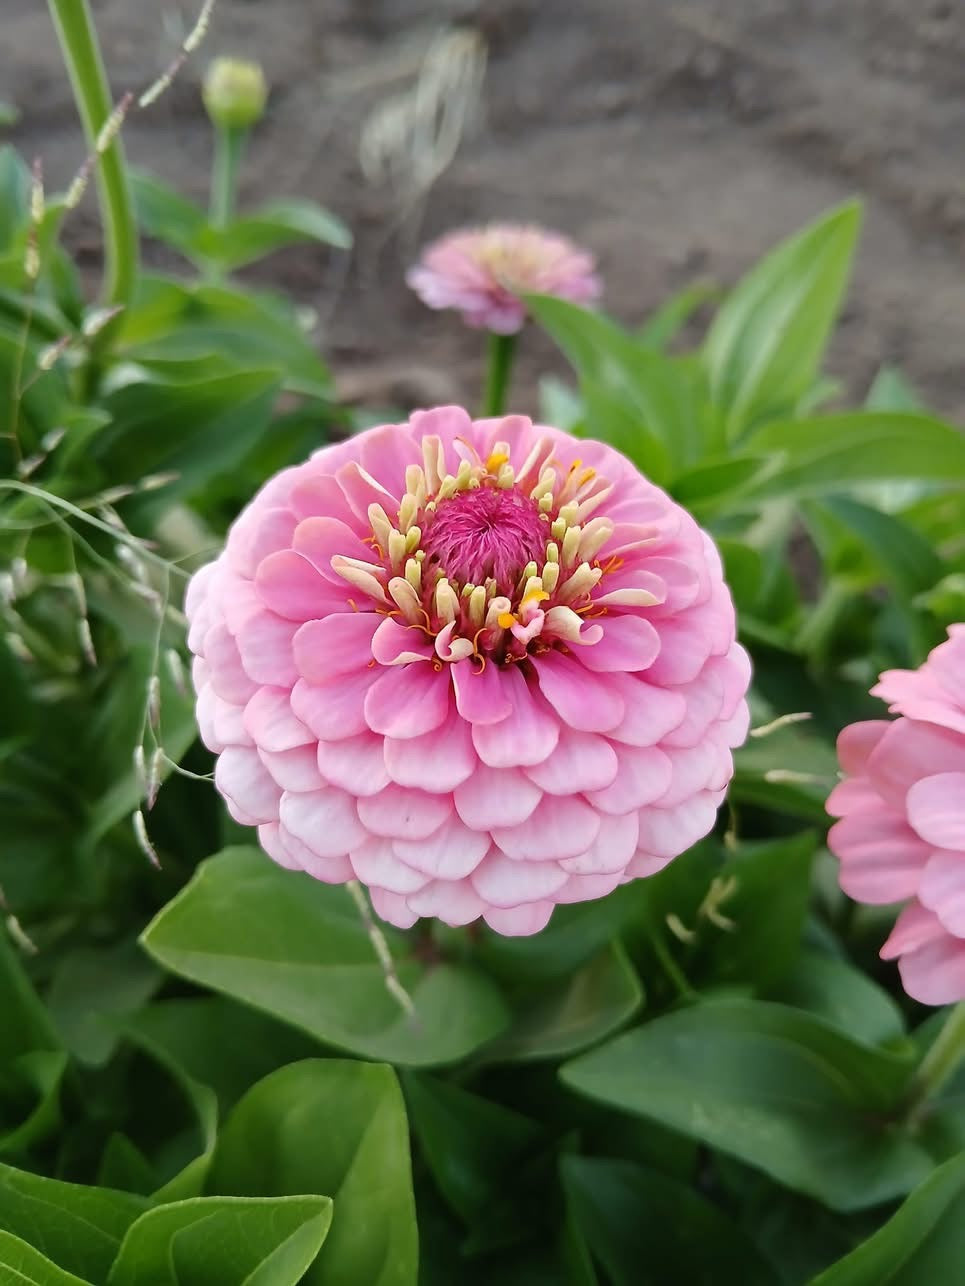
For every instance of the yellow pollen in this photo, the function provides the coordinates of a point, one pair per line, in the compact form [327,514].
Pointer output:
[506,620]
[534,596]
[575,465]
[586,476]
[496,460]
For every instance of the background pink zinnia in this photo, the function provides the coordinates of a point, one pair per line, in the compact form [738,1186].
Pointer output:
[901,837]
[482,667]
[483,272]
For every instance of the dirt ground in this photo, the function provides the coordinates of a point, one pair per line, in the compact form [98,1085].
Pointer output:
[677,140]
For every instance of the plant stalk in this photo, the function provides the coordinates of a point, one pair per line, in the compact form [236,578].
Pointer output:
[82,56]
[229,146]
[501,351]
[943,1058]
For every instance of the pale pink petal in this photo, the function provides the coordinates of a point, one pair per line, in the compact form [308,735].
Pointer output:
[221,723]
[582,700]
[496,797]
[644,773]
[936,809]
[401,813]
[857,741]
[336,710]
[269,837]
[881,856]
[355,764]
[526,737]
[587,888]
[684,649]
[651,712]
[909,751]
[935,974]
[385,452]
[438,761]
[270,722]
[558,828]
[628,643]
[454,902]
[695,769]
[272,531]
[321,539]
[519,921]
[581,761]
[265,646]
[241,776]
[293,769]
[503,882]
[914,928]
[669,831]
[226,673]
[324,820]
[408,701]
[705,703]
[376,865]
[288,584]
[392,908]
[449,853]
[942,889]
[612,849]
[396,644]
[360,490]
[319,494]
[481,694]
[339,644]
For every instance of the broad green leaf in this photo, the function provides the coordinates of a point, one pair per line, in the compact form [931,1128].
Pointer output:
[834,989]
[22,1265]
[894,551]
[14,194]
[80,1228]
[30,1099]
[765,345]
[26,1025]
[91,989]
[663,325]
[891,391]
[336,1127]
[224,1241]
[297,948]
[165,214]
[476,1151]
[647,1229]
[772,1086]
[829,453]
[279,223]
[578,1011]
[923,1244]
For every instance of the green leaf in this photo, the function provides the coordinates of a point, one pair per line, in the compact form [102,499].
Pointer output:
[14,194]
[923,1243]
[78,1227]
[647,1229]
[336,1127]
[829,453]
[279,223]
[475,1150]
[30,1084]
[26,1025]
[22,1265]
[772,1086]
[765,345]
[833,989]
[165,214]
[663,325]
[297,948]
[224,1241]
[576,1012]
[91,989]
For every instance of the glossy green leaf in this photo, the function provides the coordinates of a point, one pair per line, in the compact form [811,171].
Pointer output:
[765,345]
[923,1243]
[834,989]
[79,1228]
[224,1241]
[297,948]
[22,1265]
[335,1127]
[578,1011]
[897,555]
[772,1086]
[647,1229]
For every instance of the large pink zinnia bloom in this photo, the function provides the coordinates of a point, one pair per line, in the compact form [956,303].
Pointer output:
[901,836]
[483,272]
[481,667]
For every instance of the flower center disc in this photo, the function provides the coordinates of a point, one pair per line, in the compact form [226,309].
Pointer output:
[489,532]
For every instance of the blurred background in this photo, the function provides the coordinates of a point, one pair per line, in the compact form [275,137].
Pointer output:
[678,141]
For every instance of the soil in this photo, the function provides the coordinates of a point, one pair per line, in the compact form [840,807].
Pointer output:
[677,140]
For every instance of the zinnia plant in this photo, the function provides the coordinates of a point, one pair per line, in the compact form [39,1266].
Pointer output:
[479,666]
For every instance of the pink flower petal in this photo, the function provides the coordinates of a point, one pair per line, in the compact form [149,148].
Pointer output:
[293,769]
[558,828]
[397,644]
[587,888]
[321,539]
[392,908]
[227,675]
[496,797]
[644,773]
[454,902]
[935,974]
[408,701]
[506,883]
[881,856]
[288,584]
[339,644]
[909,751]
[628,643]
[377,866]
[936,810]
[695,769]
[272,531]
[581,761]
[400,813]
[857,741]
[942,889]
[582,700]
[481,694]
[385,453]
[684,649]
[241,776]
[438,761]
[527,737]
[612,849]
[914,928]
[335,710]
[671,831]
[449,853]
[269,721]
[354,764]
[324,820]
[519,921]
[651,712]
[265,646]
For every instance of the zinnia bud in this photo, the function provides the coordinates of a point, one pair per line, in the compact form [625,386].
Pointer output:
[480,666]
[901,837]
[234,93]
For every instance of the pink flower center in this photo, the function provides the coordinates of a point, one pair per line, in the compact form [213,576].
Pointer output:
[486,533]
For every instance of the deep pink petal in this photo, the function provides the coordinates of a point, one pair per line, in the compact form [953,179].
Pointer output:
[321,539]
[336,710]
[336,645]
[585,701]
[481,694]
[408,700]
[289,585]
[438,761]
[526,737]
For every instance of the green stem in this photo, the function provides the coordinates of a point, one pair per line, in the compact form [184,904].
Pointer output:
[229,146]
[944,1056]
[502,349]
[78,41]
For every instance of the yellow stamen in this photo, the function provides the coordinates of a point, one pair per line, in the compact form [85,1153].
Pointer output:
[534,595]
[496,460]
[506,620]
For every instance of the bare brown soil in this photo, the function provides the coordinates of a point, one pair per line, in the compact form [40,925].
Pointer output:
[677,140]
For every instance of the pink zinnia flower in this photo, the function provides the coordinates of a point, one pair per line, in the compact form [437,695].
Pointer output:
[481,667]
[901,836]
[483,272]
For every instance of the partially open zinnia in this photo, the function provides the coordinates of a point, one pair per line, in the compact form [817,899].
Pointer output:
[901,833]
[481,667]
[484,273]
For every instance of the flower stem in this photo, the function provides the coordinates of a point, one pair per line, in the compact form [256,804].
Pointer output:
[943,1058]
[502,349]
[81,52]
[229,146]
